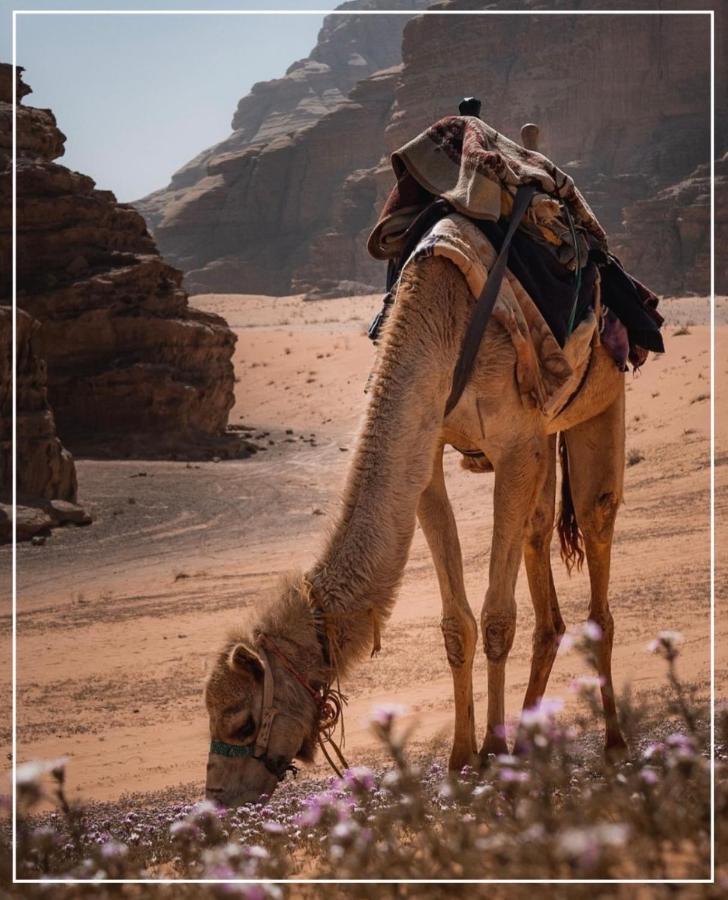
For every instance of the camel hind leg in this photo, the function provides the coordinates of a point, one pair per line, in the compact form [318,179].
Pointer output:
[596,471]
[459,628]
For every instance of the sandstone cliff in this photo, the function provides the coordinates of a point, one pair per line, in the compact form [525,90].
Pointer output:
[130,364]
[46,474]
[669,234]
[276,211]
[45,467]
[242,214]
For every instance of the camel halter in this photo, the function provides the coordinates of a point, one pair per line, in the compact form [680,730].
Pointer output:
[329,702]
[259,749]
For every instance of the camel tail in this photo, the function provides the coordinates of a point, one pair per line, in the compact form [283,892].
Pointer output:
[570,536]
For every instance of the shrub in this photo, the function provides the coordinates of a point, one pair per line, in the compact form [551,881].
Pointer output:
[634,456]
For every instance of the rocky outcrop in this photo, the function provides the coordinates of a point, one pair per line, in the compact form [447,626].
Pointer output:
[669,234]
[242,215]
[131,366]
[574,75]
[281,217]
[45,467]
[46,474]
[349,48]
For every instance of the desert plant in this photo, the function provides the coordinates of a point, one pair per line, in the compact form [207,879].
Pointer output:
[634,456]
[561,810]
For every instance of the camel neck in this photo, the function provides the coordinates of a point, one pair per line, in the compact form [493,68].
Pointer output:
[356,578]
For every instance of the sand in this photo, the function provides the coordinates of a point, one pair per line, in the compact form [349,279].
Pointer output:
[117,622]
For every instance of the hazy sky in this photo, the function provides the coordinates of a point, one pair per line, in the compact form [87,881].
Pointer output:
[138,96]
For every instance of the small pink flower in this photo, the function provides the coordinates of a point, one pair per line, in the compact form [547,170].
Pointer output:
[566,642]
[359,779]
[511,776]
[591,631]
[385,714]
[666,644]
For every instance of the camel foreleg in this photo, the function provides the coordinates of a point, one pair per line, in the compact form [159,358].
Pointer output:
[459,627]
[518,477]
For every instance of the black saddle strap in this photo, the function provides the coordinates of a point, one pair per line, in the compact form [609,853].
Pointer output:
[486,301]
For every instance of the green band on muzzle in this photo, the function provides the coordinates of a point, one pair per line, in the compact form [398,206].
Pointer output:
[220,748]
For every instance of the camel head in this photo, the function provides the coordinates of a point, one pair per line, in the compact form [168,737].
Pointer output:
[261,719]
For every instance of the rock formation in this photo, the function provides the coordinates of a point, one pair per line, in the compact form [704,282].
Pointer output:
[45,467]
[46,474]
[283,205]
[576,77]
[242,214]
[669,234]
[130,364]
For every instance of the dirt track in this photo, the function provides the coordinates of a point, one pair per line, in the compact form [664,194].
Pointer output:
[117,621]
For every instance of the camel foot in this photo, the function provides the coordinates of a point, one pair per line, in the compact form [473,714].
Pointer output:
[493,745]
[521,747]
[459,759]
[616,748]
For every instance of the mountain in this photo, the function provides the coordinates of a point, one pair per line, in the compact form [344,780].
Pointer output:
[284,205]
[241,214]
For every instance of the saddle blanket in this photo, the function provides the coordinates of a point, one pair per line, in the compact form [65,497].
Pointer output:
[478,170]
[544,370]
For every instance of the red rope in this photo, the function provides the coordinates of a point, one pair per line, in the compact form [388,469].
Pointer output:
[318,697]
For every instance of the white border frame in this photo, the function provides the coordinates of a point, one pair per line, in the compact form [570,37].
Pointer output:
[328,12]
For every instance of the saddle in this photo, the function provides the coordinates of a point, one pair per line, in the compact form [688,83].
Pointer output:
[538,222]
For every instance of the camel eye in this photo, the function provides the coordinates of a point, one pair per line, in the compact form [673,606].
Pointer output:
[246,730]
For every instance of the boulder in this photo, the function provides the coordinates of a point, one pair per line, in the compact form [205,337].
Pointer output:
[30,521]
[62,513]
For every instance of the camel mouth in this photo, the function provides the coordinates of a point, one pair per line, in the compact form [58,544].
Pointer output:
[234,782]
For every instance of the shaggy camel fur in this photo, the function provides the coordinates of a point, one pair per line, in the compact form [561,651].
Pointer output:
[396,476]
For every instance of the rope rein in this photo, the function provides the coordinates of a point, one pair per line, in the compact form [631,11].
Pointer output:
[329,700]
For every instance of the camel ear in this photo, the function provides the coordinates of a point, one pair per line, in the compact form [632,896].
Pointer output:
[245,660]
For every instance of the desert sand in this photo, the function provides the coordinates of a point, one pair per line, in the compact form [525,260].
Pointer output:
[118,621]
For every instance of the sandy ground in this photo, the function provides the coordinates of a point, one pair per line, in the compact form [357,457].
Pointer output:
[117,622]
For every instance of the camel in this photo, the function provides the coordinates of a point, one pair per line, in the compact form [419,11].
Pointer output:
[395,478]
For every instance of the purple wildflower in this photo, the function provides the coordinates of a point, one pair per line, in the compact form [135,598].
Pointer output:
[384,714]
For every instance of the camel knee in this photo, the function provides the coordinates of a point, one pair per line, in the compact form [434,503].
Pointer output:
[604,619]
[539,532]
[499,629]
[460,633]
[597,520]
[546,639]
